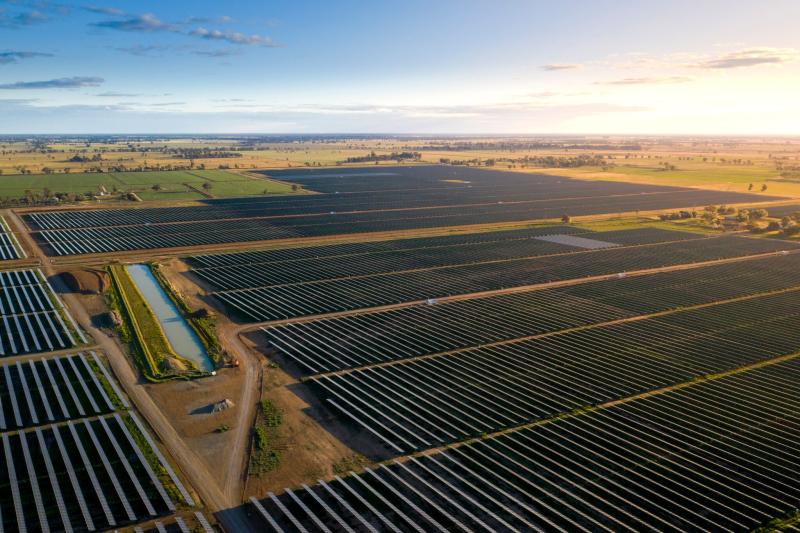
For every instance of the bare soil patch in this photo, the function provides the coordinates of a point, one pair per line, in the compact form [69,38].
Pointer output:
[315,443]
[189,407]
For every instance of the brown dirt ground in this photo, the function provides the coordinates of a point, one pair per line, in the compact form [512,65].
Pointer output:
[315,438]
[86,280]
[187,404]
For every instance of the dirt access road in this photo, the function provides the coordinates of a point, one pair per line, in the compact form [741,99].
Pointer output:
[221,497]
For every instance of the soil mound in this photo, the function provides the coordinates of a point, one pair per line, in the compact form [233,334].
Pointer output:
[173,365]
[223,405]
[86,281]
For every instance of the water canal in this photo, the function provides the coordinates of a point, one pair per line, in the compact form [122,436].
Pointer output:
[181,336]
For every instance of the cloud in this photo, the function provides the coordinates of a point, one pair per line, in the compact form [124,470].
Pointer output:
[118,95]
[58,83]
[750,58]
[147,23]
[561,66]
[20,20]
[233,37]
[210,20]
[647,81]
[111,11]
[225,52]
[12,56]
[17,101]
[142,50]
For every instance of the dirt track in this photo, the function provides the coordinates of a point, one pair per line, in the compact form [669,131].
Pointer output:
[205,484]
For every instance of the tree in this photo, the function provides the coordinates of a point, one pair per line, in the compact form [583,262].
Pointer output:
[763,187]
[758,214]
[743,216]
[566,219]
[156,187]
[750,187]
[207,185]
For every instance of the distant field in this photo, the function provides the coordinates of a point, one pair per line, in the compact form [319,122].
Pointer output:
[690,174]
[174,185]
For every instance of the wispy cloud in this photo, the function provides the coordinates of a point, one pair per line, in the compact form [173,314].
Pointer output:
[74,82]
[210,20]
[647,81]
[112,94]
[224,52]
[12,56]
[150,23]
[234,100]
[552,67]
[147,23]
[750,57]
[111,11]
[143,50]
[21,20]
[233,37]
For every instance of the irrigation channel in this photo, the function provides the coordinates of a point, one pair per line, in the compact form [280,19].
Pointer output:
[181,336]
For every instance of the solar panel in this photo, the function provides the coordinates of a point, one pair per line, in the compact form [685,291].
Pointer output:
[12,477]
[187,498]
[55,388]
[203,522]
[73,479]
[156,483]
[83,385]
[181,524]
[96,382]
[26,391]
[34,484]
[90,471]
[127,466]
[110,471]
[12,396]
[42,394]
[71,390]
[110,381]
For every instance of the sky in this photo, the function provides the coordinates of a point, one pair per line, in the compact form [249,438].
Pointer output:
[418,67]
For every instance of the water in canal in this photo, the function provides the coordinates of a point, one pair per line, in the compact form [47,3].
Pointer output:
[179,333]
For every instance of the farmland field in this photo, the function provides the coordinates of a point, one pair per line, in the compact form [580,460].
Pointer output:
[718,456]
[332,344]
[172,185]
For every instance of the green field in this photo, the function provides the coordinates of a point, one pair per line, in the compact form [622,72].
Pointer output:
[172,185]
